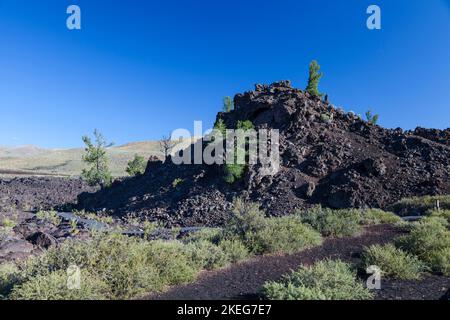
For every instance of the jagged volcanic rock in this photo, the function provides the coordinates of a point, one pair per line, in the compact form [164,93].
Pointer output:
[327,156]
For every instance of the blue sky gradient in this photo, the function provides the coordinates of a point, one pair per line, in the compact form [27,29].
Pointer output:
[139,69]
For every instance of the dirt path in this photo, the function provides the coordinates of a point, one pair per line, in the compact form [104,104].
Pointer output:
[244,281]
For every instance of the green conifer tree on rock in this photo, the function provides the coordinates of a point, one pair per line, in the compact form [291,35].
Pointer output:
[314,79]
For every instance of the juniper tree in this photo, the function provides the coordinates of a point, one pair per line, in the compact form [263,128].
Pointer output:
[96,158]
[314,79]
[136,166]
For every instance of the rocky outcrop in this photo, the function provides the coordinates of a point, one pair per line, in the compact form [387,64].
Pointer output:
[328,157]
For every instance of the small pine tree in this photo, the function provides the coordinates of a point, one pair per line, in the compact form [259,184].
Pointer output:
[97,159]
[314,79]
[221,127]
[228,104]
[136,166]
[372,119]
[235,171]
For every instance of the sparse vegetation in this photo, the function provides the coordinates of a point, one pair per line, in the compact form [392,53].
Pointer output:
[372,118]
[420,205]
[136,166]
[234,171]
[96,158]
[119,266]
[393,262]
[228,104]
[49,216]
[177,182]
[336,223]
[325,280]
[378,216]
[325,118]
[429,240]
[314,79]
[269,235]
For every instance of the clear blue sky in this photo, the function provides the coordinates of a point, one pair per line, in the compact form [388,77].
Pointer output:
[139,69]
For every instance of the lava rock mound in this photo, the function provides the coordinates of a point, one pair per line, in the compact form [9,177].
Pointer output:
[328,157]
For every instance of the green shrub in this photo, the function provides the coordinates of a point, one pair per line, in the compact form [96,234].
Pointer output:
[336,223]
[9,274]
[206,255]
[209,234]
[325,280]
[234,172]
[377,216]
[54,287]
[234,249]
[177,182]
[49,216]
[136,166]
[444,214]
[8,223]
[128,266]
[393,262]
[173,262]
[430,241]
[420,205]
[247,220]
[285,235]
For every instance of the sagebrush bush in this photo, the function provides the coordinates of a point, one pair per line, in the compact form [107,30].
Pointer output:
[336,223]
[443,214]
[234,249]
[206,255]
[420,205]
[393,262]
[128,266]
[54,287]
[378,216]
[263,235]
[325,280]
[209,234]
[285,235]
[246,220]
[9,274]
[429,240]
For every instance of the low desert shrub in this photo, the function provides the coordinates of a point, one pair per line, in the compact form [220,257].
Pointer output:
[393,262]
[206,255]
[336,223]
[429,240]
[262,235]
[285,235]
[8,223]
[49,216]
[9,274]
[325,280]
[129,266]
[209,234]
[443,214]
[246,220]
[173,262]
[234,249]
[377,216]
[420,205]
[54,287]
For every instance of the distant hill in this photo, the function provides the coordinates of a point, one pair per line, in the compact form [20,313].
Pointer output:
[32,160]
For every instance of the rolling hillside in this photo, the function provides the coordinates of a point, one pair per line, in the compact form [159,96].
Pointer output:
[32,160]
